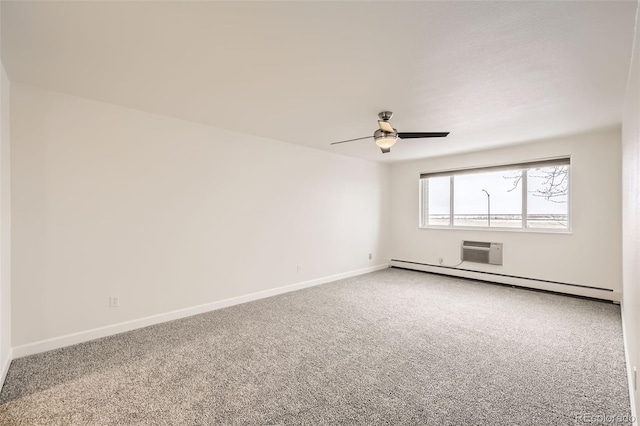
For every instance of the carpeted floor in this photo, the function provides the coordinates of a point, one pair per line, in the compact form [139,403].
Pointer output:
[391,347]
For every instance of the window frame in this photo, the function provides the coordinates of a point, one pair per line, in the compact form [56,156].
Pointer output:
[524,166]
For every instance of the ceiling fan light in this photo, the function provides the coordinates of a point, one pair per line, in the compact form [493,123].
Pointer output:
[386,140]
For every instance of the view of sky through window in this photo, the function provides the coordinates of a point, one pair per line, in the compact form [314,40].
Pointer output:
[494,198]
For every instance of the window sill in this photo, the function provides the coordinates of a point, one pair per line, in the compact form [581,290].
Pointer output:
[522,230]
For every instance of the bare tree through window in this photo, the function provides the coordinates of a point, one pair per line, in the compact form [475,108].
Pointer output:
[555,182]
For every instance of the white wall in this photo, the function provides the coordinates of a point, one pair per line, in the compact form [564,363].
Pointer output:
[168,214]
[590,255]
[5,227]
[631,212]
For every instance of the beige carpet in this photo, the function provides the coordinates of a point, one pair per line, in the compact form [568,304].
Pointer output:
[391,347]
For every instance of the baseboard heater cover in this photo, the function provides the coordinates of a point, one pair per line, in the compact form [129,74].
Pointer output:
[407,264]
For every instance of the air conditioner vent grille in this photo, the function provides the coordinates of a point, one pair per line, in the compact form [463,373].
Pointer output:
[476,244]
[482,252]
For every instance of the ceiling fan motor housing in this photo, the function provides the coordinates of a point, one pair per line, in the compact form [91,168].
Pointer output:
[385,139]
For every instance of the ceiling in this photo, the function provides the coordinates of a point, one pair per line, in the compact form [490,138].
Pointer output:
[311,73]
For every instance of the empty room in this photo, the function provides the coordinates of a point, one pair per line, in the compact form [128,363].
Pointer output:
[319,212]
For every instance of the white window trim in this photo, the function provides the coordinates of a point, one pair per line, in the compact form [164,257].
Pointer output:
[423,221]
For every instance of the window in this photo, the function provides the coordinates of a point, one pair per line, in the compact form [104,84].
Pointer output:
[520,196]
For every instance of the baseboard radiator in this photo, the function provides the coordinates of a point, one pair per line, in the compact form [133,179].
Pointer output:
[512,280]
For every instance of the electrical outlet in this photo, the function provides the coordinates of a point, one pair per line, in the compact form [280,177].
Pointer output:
[114,302]
[370,256]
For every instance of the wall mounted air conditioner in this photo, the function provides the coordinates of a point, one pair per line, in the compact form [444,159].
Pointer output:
[482,252]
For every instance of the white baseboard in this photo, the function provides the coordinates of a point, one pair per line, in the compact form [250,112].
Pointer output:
[510,280]
[96,333]
[632,399]
[5,368]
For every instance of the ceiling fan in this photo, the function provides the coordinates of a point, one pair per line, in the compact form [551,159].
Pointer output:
[386,136]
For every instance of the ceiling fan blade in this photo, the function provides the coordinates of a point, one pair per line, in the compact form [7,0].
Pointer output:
[385,126]
[385,150]
[351,140]
[415,135]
